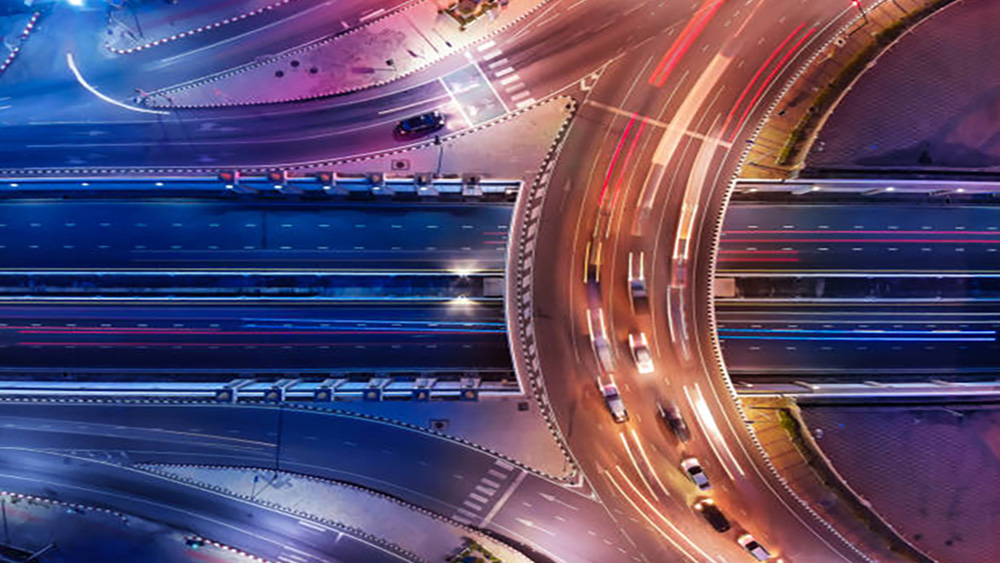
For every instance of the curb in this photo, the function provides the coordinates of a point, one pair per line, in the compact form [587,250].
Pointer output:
[70,505]
[519,303]
[23,37]
[197,30]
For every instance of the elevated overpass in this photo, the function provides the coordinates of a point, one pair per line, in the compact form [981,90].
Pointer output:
[343,287]
[879,287]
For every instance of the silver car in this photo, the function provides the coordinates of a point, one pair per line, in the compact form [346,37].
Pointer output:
[750,544]
[614,401]
[695,473]
[640,352]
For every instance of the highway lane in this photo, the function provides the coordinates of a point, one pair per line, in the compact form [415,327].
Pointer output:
[181,234]
[427,470]
[644,168]
[860,238]
[251,335]
[877,339]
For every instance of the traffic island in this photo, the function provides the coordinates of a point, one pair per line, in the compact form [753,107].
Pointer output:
[474,553]
[413,533]
[393,45]
[787,135]
[465,12]
[43,530]
[799,460]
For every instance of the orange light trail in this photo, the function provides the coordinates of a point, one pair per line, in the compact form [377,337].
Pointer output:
[691,32]
[644,516]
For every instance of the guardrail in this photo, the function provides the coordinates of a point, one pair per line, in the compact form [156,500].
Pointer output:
[167,285]
[379,386]
[278,183]
[936,389]
[804,190]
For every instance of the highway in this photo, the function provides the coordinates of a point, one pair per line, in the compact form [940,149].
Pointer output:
[644,168]
[873,340]
[252,335]
[859,290]
[861,238]
[192,234]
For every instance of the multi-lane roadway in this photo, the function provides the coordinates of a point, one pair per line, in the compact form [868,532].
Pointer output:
[551,521]
[859,290]
[644,169]
[859,237]
[250,335]
[205,234]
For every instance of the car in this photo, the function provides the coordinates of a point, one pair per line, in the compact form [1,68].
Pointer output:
[423,123]
[614,401]
[640,352]
[671,415]
[711,513]
[599,339]
[693,469]
[636,276]
[751,545]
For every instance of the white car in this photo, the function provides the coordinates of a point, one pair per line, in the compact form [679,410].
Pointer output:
[694,471]
[640,352]
[614,401]
[755,549]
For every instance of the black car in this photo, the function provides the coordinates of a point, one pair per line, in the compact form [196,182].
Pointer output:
[423,123]
[712,514]
[671,416]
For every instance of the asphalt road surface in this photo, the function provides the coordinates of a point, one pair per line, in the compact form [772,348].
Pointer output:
[184,234]
[644,169]
[859,238]
[251,335]
[851,339]
[439,474]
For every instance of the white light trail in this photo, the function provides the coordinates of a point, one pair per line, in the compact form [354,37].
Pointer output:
[79,78]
